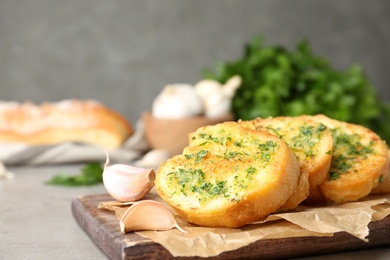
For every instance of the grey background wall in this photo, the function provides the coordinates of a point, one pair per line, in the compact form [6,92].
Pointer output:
[123,53]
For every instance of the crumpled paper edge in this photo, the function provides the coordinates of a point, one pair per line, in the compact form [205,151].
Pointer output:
[207,242]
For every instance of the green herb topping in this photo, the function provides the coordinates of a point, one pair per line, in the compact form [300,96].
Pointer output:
[224,151]
[302,140]
[347,150]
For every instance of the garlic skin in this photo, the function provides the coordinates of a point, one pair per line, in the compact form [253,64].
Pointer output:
[127,183]
[148,215]
[217,98]
[177,101]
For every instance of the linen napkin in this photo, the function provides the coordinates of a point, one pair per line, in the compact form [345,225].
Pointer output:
[69,152]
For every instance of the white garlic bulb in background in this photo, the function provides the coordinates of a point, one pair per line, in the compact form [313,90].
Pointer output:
[206,86]
[217,98]
[216,105]
[153,158]
[231,85]
[177,101]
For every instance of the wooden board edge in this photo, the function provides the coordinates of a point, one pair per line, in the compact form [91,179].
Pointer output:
[262,249]
[93,228]
[310,246]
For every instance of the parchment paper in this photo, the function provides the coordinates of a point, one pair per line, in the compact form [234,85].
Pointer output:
[352,218]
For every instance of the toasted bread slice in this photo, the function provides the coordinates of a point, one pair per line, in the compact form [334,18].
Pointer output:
[311,142]
[228,176]
[359,161]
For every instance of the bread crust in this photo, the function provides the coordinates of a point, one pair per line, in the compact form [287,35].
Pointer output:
[384,181]
[360,159]
[384,185]
[258,172]
[84,121]
[311,142]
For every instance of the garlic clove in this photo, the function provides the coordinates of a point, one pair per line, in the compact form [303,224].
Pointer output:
[127,183]
[4,173]
[148,215]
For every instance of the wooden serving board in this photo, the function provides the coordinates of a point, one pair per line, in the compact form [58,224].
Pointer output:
[103,228]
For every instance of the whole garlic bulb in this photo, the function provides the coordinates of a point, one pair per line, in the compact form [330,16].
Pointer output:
[177,101]
[216,98]
[216,105]
[127,183]
[231,85]
[207,86]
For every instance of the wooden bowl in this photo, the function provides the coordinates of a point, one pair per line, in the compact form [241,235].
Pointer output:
[172,134]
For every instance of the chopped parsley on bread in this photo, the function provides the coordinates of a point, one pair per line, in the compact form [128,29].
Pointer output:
[359,161]
[228,176]
[312,144]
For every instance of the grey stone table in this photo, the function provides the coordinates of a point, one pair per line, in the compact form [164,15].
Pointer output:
[36,220]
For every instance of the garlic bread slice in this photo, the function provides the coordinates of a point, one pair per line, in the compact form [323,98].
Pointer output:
[312,144]
[359,162]
[228,176]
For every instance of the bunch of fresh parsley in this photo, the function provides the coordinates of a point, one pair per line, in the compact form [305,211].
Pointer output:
[280,82]
[91,174]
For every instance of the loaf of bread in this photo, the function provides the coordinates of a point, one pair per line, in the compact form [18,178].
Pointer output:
[359,161]
[84,121]
[312,144]
[228,176]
